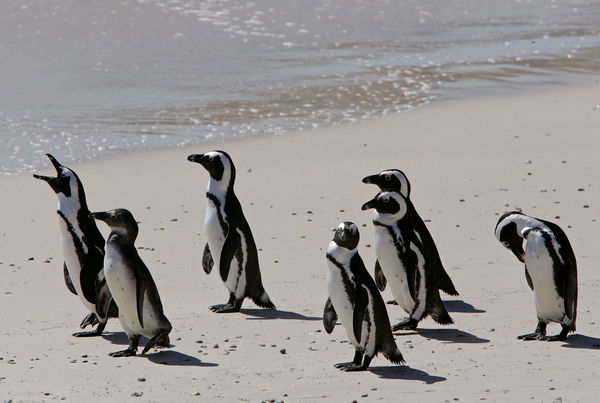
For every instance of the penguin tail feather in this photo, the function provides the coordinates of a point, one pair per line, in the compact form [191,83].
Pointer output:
[395,356]
[263,300]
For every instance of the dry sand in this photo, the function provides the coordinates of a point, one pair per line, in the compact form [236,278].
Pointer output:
[468,161]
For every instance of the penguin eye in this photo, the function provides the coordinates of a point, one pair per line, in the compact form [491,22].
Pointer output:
[506,244]
[385,199]
[387,177]
[354,230]
[211,158]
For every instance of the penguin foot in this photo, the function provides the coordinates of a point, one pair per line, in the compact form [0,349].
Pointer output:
[224,308]
[342,365]
[558,337]
[532,336]
[406,324]
[392,302]
[124,353]
[91,333]
[90,319]
[354,368]
[159,337]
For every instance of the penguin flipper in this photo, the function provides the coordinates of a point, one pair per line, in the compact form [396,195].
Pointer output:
[411,273]
[207,260]
[230,246]
[380,279]
[528,277]
[68,281]
[329,316]
[570,291]
[93,264]
[104,298]
[140,290]
[361,299]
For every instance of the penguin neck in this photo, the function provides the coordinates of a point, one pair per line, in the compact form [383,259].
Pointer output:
[121,236]
[219,188]
[72,207]
[386,219]
[339,253]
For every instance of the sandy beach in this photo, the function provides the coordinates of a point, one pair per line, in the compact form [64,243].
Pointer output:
[468,161]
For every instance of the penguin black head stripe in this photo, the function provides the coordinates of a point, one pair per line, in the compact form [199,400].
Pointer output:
[346,235]
[120,221]
[66,181]
[390,179]
[218,164]
[388,202]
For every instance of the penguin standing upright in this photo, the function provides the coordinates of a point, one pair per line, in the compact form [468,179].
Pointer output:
[394,179]
[550,269]
[132,286]
[354,296]
[402,258]
[83,249]
[230,247]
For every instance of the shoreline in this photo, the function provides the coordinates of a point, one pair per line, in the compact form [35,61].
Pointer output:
[467,160]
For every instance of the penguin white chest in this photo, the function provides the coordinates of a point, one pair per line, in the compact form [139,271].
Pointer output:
[214,230]
[393,268]
[71,256]
[548,304]
[341,300]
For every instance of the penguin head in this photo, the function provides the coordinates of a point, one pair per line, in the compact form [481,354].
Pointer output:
[120,221]
[66,184]
[388,202]
[508,234]
[346,235]
[390,179]
[218,164]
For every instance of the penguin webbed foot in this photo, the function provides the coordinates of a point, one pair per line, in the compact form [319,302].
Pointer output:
[233,305]
[90,319]
[158,340]
[539,334]
[356,362]
[354,368]
[124,353]
[561,336]
[129,352]
[91,333]
[225,308]
[406,324]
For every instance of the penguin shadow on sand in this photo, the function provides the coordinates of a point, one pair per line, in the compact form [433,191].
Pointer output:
[262,314]
[460,306]
[163,357]
[445,335]
[581,341]
[406,373]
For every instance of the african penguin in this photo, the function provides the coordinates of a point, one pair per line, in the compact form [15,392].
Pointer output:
[395,179]
[400,254]
[550,269]
[354,296]
[83,249]
[131,284]
[230,247]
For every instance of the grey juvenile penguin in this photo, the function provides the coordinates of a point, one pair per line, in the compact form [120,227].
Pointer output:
[131,284]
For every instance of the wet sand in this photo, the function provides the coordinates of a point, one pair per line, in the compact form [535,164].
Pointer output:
[468,162]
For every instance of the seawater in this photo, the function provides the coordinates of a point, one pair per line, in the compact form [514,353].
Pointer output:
[85,79]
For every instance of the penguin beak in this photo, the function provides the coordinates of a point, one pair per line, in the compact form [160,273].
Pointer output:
[44,178]
[100,215]
[369,205]
[196,158]
[54,162]
[370,179]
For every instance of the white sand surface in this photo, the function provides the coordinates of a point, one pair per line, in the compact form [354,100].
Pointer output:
[468,161]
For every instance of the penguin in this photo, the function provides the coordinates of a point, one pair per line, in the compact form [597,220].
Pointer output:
[83,249]
[396,180]
[550,269]
[401,255]
[230,247]
[355,297]
[140,309]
